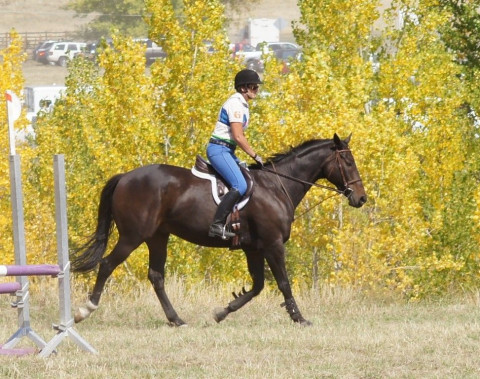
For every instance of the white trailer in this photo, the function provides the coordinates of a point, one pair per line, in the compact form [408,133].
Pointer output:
[263,30]
[41,98]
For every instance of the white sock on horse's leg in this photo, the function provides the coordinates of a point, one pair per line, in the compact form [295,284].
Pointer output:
[84,312]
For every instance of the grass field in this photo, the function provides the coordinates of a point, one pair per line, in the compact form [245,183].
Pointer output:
[351,337]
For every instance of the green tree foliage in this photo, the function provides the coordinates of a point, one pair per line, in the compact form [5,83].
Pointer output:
[462,33]
[125,16]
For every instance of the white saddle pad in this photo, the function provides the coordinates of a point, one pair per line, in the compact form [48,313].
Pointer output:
[213,181]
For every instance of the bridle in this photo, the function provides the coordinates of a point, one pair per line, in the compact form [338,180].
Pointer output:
[347,191]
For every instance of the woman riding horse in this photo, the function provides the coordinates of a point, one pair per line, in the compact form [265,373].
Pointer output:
[150,203]
[227,135]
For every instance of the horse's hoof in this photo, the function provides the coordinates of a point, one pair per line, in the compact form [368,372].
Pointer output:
[177,323]
[305,323]
[84,312]
[78,317]
[81,314]
[219,314]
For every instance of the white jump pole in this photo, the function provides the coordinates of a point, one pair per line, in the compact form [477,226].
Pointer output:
[22,303]
[65,328]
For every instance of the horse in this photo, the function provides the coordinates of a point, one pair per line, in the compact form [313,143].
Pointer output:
[151,202]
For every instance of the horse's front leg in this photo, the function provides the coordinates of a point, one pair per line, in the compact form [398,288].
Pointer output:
[255,264]
[276,260]
[157,247]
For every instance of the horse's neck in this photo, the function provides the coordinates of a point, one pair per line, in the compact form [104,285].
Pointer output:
[307,169]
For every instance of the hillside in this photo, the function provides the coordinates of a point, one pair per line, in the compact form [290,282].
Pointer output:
[34,16]
[40,16]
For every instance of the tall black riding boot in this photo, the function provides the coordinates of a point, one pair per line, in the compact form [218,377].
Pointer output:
[217,229]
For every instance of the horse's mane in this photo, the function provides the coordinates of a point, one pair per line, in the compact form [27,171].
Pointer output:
[292,151]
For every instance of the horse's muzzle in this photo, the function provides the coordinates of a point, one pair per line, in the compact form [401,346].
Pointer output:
[356,201]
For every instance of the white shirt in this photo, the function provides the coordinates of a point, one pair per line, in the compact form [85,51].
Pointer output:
[235,109]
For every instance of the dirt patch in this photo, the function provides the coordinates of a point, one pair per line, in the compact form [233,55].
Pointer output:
[36,73]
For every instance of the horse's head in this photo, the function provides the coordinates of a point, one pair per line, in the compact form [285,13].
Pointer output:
[342,171]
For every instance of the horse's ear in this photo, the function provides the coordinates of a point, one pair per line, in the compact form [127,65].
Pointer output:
[337,140]
[347,140]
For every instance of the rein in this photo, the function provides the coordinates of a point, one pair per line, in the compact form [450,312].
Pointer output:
[347,191]
[300,180]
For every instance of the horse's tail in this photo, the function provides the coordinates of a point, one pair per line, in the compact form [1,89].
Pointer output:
[87,256]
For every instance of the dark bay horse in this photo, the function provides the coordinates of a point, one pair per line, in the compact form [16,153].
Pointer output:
[152,202]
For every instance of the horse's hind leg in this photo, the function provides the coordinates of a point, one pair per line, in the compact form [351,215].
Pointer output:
[120,252]
[157,247]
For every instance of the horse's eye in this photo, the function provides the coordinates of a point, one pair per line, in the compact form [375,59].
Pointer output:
[348,161]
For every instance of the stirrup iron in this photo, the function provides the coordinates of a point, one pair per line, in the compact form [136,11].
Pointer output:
[225,234]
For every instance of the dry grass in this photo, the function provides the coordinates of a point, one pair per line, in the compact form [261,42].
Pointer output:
[351,337]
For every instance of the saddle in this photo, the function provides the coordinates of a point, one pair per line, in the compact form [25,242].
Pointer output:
[205,170]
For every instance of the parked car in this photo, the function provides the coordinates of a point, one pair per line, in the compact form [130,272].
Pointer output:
[250,56]
[287,56]
[153,51]
[40,52]
[253,59]
[60,52]
[90,51]
[276,46]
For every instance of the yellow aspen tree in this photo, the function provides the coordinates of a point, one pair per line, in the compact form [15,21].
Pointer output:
[103,125]
[11,78]
[118,116]
[413,140]
[324,93]
[191,84]
[408,131]
[424,82]
[38,220]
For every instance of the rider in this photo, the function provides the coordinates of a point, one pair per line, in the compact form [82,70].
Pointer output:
[227,135]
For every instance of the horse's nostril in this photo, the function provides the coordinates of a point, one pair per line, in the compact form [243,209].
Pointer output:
[363,199]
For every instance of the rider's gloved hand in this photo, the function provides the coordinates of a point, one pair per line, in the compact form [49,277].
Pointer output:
[258,159]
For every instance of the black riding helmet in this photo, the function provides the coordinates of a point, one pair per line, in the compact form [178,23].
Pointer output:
[246,76]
